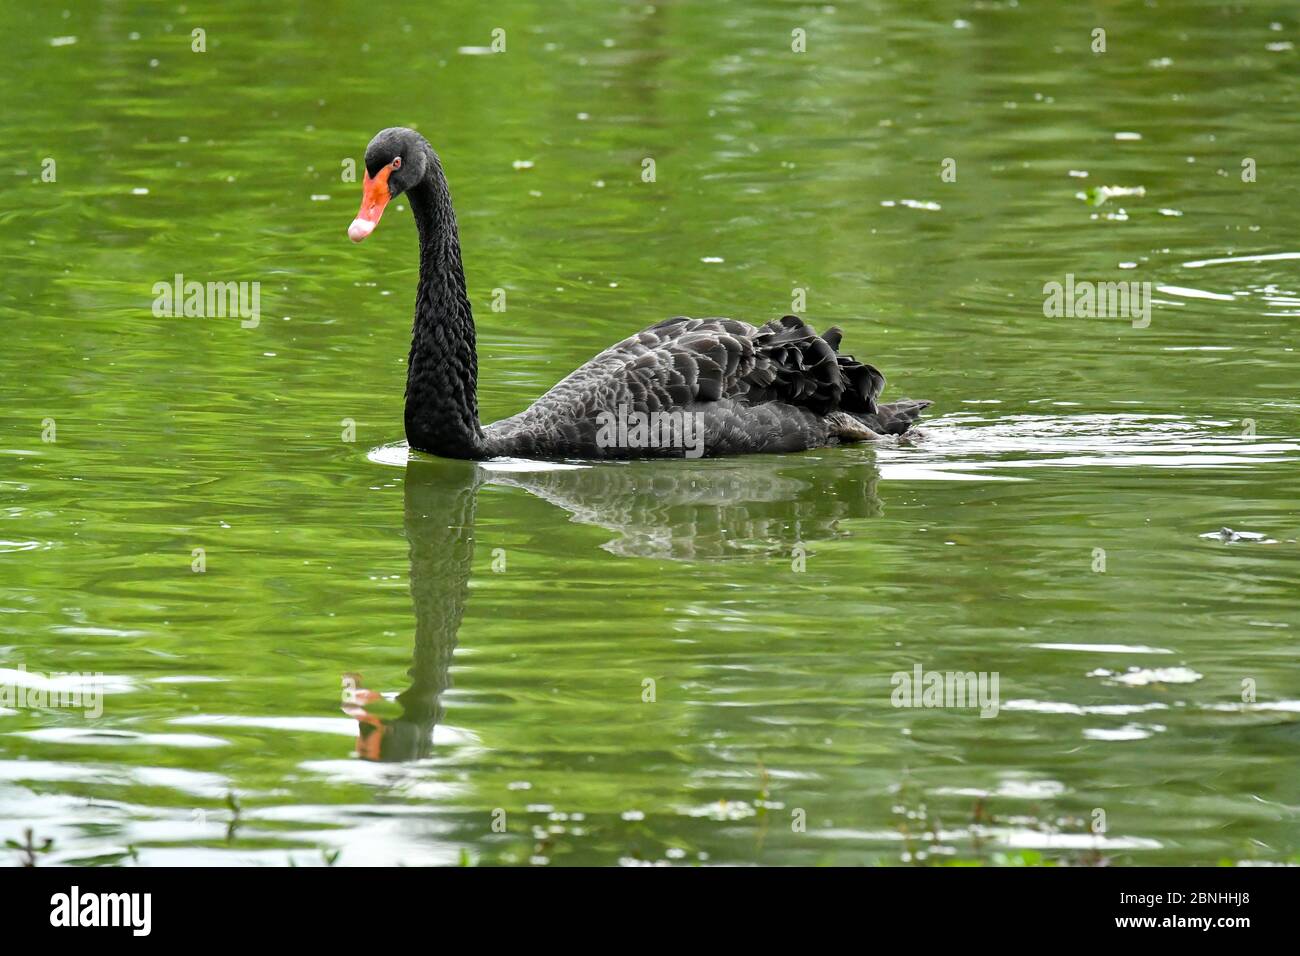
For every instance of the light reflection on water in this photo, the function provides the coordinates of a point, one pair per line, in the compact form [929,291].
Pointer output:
[966,442]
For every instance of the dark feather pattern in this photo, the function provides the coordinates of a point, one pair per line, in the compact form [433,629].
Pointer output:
[777,387]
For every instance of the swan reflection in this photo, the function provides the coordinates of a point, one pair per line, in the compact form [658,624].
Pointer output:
[706,511]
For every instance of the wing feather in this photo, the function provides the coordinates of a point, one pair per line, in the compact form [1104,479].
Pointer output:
[685,362]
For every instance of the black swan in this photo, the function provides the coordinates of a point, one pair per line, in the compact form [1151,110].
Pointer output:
[684,387]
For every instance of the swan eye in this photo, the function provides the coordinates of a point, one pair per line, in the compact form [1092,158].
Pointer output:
[397,163]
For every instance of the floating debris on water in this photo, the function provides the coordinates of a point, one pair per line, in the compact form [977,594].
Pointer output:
[1098,195]
[1228,535]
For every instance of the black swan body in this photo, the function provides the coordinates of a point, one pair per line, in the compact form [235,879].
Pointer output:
[685,387]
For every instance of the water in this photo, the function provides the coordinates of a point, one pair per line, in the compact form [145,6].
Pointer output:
[499,629]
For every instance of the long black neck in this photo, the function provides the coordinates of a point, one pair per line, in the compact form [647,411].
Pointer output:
[442,370]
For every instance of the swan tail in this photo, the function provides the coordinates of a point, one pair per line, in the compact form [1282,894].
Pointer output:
[803,368]
[809,370]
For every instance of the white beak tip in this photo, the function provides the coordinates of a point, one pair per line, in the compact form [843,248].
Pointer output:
[359,229]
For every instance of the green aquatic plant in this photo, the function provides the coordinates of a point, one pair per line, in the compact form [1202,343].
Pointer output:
[29,848]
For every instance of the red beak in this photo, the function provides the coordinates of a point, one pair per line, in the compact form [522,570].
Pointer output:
[374,198]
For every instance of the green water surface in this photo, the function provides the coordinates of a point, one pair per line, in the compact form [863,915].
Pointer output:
[210,521]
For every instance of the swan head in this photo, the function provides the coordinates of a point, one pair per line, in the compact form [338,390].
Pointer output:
[395,161]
